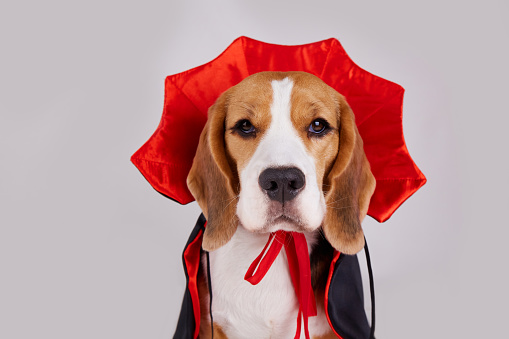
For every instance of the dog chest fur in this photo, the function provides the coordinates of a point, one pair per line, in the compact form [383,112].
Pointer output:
[266,310]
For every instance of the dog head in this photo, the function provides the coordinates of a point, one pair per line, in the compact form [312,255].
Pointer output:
[281,151]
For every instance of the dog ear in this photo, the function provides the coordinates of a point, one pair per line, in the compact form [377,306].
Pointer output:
[351,185]
[212,182]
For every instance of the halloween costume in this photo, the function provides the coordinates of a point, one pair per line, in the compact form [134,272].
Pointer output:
[166,158]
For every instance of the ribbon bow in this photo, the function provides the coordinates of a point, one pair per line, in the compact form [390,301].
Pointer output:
[296,249]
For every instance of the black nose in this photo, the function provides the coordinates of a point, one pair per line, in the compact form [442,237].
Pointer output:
[283,183]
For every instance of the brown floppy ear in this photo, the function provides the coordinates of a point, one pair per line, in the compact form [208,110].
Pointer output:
[351,185]
[211,180]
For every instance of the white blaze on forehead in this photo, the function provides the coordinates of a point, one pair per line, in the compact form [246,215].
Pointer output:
[281,108]
[280,146]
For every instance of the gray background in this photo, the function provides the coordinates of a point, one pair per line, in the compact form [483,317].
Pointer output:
[89,250]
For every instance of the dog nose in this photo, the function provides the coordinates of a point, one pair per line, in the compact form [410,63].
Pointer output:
[283,183]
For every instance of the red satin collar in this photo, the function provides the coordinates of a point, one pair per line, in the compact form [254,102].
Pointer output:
[165,159]
[296,249]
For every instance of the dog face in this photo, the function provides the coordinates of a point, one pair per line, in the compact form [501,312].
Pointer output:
[281,151]
[281,142]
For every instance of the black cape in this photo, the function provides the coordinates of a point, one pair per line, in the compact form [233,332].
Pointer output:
[344,294]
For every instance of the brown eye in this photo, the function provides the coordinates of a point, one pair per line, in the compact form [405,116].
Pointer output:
[318,126]
[245,126]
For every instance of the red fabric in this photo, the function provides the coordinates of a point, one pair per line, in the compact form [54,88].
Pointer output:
[327,286]
[192,260]
[296,249]
[166,158]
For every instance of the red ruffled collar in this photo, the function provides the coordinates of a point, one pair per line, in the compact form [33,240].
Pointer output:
[166,158]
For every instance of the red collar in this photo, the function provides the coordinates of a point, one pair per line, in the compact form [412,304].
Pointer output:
[296,249]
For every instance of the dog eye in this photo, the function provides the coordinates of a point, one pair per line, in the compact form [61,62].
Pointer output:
[318,126]
[245,126]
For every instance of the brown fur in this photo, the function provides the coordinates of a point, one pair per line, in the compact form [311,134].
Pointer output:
[211,180]
[329,335]
[351,185]
[205,328]
[244,100]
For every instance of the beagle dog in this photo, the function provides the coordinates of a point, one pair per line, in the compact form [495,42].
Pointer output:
[279,151]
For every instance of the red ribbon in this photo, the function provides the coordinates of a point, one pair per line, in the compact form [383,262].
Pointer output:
[296,249]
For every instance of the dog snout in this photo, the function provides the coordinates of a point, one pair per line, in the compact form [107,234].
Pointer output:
[283,183]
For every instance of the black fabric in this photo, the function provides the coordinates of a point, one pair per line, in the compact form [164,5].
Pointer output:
[186,323]
[210,295]
[371,289]
[346,300]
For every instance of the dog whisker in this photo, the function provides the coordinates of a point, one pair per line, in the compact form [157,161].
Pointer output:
[340,208]
[231,200]
[320,231]
[331,202]
[279,241]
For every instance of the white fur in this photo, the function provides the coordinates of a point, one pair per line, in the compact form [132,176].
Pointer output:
[266,310]
[280,146]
